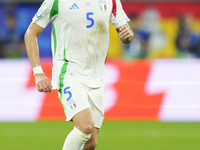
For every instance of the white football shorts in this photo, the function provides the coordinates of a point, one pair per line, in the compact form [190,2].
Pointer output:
[77,96]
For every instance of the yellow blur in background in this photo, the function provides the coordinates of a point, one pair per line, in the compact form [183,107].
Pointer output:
[169,29]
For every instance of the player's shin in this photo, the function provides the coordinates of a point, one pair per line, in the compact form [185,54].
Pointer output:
[75,140]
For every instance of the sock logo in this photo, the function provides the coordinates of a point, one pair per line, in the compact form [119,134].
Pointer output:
[70,101]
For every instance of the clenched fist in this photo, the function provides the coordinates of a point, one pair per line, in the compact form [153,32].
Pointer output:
[43,83]
[125,33]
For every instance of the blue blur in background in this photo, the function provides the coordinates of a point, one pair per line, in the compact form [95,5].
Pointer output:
[24,14]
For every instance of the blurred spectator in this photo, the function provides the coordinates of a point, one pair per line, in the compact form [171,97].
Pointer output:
[148,38]
[187,42]
[138,47]
[151,25]
[11,40]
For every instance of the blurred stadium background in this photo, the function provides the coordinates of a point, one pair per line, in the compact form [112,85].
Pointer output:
[152,96]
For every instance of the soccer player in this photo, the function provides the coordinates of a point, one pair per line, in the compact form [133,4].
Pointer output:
[80,41]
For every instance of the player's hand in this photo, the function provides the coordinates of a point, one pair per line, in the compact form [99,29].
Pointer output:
[124,31]
[43,83]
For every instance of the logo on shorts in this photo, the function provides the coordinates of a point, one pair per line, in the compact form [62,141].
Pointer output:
[39,12]
[102,4]
[70,101]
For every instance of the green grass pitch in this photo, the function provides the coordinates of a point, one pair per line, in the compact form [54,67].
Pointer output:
[112,136]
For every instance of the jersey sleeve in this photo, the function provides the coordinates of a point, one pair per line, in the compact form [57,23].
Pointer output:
[118,16]
[47,12]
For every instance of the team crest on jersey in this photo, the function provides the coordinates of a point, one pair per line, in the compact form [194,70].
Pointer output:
[39,12]
[102,4]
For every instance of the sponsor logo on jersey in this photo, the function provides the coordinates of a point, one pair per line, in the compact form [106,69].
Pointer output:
[39,12]
[102,5]
[74,6]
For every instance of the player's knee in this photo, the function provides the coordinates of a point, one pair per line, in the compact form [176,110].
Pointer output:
[87,128]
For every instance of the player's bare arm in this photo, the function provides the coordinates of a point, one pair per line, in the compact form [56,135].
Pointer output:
[43,83]
[125,33]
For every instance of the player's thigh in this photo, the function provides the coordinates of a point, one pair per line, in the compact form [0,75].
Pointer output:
[83,120]
[73,98]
